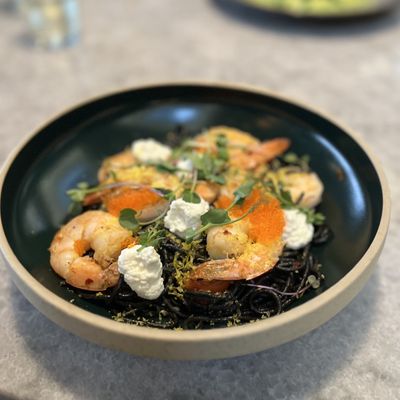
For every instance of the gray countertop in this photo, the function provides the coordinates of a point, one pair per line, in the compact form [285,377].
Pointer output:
[352,72]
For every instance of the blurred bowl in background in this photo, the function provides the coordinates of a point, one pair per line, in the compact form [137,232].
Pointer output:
[320,9]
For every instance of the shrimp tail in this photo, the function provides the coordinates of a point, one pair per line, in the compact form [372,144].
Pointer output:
[273,148]
[228,269]
[199,285]
[86,274]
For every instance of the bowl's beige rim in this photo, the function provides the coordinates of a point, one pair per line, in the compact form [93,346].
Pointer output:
[203,344]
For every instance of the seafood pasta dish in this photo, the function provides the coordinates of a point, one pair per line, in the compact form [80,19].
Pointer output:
[198,232]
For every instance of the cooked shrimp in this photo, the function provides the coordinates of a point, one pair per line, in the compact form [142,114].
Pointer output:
[304,187]
[227,241]
[262,153]
[245,249]
[234,177]
[117,161]
[245,151]
[147,202]
[122,167]
[93,230]
[237,139]
[145,175]
[209,191]
[254,261]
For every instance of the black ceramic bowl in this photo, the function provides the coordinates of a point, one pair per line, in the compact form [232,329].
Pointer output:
[70,148]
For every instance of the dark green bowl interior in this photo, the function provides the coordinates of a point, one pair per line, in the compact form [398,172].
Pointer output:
[71,148]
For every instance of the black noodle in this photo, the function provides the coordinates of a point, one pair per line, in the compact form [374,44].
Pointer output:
[297,272]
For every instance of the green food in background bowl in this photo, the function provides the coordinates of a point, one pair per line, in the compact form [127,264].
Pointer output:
[324,10]
[316,7]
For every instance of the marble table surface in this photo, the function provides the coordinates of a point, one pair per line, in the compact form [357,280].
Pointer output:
[351,71]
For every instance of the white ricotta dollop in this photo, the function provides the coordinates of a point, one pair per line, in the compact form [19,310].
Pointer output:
[186,167]
[150,151]
[142,271]
[298,232]
[183,215]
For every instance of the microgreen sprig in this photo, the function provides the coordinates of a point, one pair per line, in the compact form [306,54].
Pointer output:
[149,237]
[215,217]
[82,189]
[127,219]
[169,195]
[189,195]
[166,167]
[210,166]
[78,194]
[291,160]
[242,192]
[301,161]
[286,201]
[219,217]
[222,147]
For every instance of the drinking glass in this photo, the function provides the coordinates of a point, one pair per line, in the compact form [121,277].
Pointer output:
[52,23]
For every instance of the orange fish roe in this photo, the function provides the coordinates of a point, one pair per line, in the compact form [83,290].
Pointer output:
[223,201]
[266,221]
[135,198]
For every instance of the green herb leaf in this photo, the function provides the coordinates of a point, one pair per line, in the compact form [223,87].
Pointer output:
[150,238]
[299,162]
[128,220]
[222,147]
[76,195]
[290,158]
[79,193]
[197,160]
[215,216]
[319,218]
[82,185]
[209,167]
[221,140]
[217,179]
[313,217]
[190,233]
[169,196]
[286,201]
[191,197]
[286,197]
[166,167]
[243,191]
